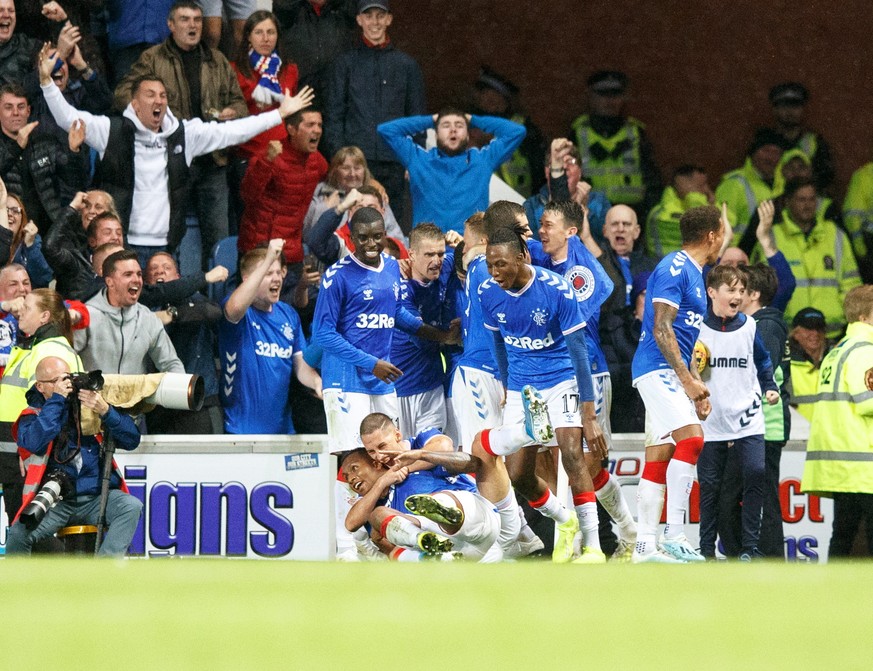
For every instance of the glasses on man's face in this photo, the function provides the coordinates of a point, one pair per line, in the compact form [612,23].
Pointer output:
[54,380]
[13,210]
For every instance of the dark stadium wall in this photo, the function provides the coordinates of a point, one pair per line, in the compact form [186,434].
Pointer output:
[699,71]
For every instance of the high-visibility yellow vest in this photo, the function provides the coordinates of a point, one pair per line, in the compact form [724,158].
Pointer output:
[662,225]
[742,190]
[620,174]
[823,265]
[516,172]
[804,387]
[839,453]
[858,209]
[20,373]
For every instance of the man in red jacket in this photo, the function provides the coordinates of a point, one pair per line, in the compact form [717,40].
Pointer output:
[278,188]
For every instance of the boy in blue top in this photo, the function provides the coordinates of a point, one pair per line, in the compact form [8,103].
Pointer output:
[537,329]
[561,251]
[737,367]
[261,344]
[450,182]
[674,395]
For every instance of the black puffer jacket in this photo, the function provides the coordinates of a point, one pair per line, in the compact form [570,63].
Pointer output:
[45,174]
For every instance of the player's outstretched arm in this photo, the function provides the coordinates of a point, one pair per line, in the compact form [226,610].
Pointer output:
[665,337]
[453,462]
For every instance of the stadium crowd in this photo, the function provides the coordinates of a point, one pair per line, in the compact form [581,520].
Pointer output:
[297,227]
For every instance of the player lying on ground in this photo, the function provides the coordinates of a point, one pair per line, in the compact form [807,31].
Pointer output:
[438,509]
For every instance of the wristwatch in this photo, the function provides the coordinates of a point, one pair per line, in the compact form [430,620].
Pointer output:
[173,311]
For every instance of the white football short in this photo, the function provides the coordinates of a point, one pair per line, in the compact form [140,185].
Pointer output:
[345,410]
[480,528]
[563,403]
[476,402]
[667,406]
[420,412]
[602,406]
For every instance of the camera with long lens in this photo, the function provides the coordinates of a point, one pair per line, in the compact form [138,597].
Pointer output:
[56,486]
[90,381]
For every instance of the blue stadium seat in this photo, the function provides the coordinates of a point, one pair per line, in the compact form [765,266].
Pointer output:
[224,253]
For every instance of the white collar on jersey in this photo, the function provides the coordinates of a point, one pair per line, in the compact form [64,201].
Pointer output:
[375,269]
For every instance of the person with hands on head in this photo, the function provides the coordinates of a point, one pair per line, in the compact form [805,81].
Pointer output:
[48,432]
[450,182]
[261,343]
[140,149]
[674,395]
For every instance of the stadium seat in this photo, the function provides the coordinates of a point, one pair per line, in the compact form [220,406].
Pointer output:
[224,253]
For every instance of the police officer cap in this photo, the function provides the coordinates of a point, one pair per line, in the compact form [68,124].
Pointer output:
[608,82]
[789,93]
[810,318]
[488,79]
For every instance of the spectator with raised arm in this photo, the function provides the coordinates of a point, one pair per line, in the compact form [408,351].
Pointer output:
[148,152]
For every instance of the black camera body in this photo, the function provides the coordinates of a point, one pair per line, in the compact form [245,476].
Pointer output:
[91,381]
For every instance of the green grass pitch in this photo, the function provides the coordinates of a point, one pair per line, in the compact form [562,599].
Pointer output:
[226,614]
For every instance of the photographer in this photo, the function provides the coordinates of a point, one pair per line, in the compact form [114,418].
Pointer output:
[48,433]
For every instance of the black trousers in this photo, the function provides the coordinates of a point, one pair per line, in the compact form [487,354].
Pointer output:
[849,510]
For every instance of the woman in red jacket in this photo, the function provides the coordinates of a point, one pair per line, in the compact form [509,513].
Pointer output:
[263,76]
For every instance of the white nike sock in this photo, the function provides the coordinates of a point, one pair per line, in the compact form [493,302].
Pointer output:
[650,503]
[551,508]
[680,480]
[505,440]
[510,526]
[588,524]
[614,503]
[401,531]
[404,555]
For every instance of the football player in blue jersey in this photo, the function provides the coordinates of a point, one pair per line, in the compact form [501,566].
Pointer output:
[477,393]
[358,307]
[261,345]
[414,488]
[537,332]
[673,393]
[560,250]
[420,390]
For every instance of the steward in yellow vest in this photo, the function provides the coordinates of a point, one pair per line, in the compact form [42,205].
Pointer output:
[839,455]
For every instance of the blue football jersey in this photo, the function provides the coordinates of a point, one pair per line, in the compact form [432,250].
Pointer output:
[354,323]
[455,307]
[677,281]
[427,482]
[257,363]
[593,286]
[420,359]
[478,352]
[533,322]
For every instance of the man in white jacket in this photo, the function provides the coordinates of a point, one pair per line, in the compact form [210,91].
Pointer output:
[146,155]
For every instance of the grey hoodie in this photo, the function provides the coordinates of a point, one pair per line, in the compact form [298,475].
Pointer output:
[130,341]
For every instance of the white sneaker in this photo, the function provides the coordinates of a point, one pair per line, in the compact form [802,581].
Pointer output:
[522,548]
[681,549]
[655,557]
